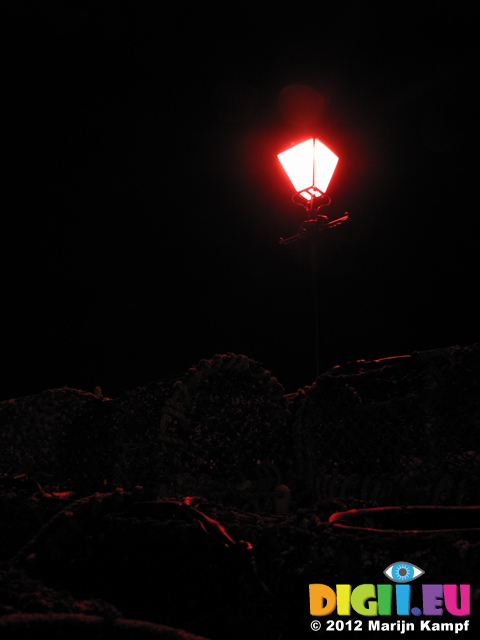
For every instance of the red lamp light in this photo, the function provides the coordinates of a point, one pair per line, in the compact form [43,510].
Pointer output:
[310,166]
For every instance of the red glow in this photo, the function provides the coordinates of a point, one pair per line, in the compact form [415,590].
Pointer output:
[310,166]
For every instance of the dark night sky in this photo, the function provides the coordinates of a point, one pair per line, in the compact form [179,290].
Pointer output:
[143,200]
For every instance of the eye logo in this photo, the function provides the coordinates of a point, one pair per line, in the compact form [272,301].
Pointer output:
[403,572]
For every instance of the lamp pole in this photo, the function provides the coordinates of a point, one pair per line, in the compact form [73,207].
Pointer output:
[310,166]
[316,305]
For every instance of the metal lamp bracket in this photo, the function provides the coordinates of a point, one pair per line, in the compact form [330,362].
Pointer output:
[312,199]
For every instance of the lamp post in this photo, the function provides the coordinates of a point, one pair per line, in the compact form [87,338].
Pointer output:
[310,166]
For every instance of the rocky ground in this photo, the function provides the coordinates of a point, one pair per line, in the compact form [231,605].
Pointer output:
[200,506]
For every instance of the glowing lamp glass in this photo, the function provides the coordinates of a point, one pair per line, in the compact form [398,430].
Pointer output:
[310,166]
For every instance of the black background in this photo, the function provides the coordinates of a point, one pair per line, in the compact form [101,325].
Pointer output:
[143,201]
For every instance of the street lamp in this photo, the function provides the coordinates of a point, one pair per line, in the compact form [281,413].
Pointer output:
[310,166]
